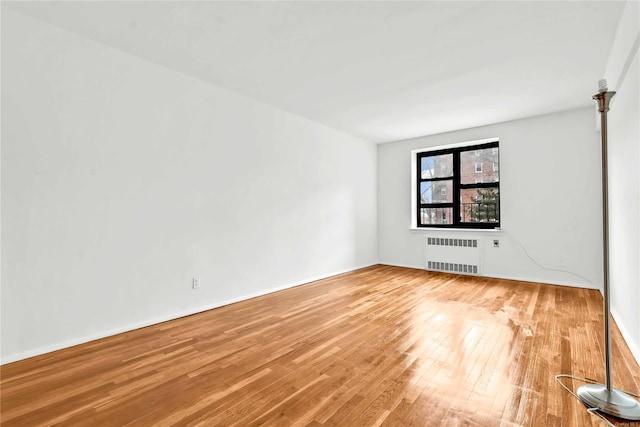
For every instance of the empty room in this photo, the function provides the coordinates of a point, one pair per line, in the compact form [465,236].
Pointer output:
[320,213]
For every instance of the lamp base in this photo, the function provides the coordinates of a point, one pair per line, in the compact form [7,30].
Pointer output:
[613,402]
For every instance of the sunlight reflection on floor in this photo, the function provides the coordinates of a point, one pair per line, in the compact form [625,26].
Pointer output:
[450,332]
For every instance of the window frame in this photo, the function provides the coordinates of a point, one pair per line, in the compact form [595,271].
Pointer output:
[455,151]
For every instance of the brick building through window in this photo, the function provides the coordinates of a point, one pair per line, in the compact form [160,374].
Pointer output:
[469,175]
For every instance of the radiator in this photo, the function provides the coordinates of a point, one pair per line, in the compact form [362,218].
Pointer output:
[453,255]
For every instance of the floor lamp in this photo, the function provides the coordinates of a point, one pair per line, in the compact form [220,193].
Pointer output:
[605,398]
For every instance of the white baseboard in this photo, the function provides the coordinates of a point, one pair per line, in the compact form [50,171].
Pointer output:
[633,346]
[543,281]
[154,321]
[391,264]
[497,276]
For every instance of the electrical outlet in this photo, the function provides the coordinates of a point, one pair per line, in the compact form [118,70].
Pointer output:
[195,283]
[496,243]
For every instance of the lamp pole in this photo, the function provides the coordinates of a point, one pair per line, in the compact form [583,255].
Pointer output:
[603,396]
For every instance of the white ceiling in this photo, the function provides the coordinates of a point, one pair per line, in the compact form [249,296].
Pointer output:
[381,71]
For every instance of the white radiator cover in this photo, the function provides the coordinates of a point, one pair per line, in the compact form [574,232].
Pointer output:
[453,255]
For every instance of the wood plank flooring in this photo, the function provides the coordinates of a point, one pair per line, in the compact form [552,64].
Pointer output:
[380,346]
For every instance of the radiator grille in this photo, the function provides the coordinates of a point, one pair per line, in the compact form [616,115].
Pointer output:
[446,241]
[453,255]
[452,267]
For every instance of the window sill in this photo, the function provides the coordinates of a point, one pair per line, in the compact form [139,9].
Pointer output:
[456,230]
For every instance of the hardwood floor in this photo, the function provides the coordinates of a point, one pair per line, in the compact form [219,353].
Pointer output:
[380,346]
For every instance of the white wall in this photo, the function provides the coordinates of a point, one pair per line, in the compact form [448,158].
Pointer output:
[623,76]
[550,200]
[121,180]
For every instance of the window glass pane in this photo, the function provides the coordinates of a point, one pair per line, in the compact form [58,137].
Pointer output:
[479,166]
[480,205]
[472,173]
[430,216]
[436,166]
[436,191]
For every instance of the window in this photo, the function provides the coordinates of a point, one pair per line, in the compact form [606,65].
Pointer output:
[454,190]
